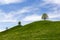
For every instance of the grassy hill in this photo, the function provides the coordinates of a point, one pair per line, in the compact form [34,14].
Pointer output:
[39,30]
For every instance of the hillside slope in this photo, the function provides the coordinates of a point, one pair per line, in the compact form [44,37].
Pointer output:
[40,30]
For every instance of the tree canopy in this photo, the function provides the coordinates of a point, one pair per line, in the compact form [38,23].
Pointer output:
[44,16]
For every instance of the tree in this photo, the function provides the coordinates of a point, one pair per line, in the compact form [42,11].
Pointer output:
[19,23]
[44,16]
[6,28]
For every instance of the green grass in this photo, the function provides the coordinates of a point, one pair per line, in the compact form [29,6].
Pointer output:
[39,30]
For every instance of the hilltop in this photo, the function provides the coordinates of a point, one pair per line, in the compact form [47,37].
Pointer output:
[39,30]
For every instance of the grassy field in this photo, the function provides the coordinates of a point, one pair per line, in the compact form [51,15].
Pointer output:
[39,30]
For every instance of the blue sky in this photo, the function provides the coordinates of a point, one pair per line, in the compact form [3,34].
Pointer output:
[26,11]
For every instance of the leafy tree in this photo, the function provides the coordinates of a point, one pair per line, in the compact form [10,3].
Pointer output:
[6,28]
[44,16]
[19,23]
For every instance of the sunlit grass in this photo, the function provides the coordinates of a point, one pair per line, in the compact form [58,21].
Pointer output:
[39,30]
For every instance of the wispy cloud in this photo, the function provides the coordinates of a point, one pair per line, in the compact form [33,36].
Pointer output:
[10,1]
[6,17]
[12,16]
[31,18]
[53,1]
[54,14]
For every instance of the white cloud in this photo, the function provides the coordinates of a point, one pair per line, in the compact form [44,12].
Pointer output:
[6,17]
[24,10]
[53,1]
[11,16]
[9,20]
[32,18]
[54,11]
[54,14]
[10,1]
